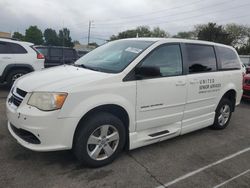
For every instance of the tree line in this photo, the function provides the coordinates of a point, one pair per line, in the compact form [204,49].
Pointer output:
[234,35]
[48,37]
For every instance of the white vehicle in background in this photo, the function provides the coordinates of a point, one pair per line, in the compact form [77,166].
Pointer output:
[126,94]
[16,59]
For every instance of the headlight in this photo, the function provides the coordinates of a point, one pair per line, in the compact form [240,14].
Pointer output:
[47,101]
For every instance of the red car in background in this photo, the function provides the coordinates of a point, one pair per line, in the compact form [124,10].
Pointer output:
[246,86]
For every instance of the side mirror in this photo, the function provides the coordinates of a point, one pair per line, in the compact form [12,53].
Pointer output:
[147,72]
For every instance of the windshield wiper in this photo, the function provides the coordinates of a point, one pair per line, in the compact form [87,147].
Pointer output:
[87,67]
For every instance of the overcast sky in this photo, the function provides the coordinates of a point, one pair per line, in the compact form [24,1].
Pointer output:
[111,16]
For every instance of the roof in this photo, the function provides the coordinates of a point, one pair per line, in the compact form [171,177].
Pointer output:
[16,41]
[178,40]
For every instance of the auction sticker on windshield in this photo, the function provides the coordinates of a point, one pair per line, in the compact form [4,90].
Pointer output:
[133,50]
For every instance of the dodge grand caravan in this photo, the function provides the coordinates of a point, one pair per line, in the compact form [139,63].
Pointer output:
[126,94]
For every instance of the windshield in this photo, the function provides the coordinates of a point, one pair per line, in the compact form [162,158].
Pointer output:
[114,56]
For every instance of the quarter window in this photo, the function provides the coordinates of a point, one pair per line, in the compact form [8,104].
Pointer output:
[201,58]
[17,49]
[167,58]
[228,58]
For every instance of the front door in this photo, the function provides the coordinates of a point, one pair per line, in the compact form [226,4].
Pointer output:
[161,99]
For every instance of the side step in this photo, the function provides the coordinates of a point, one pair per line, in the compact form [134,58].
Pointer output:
[161,134]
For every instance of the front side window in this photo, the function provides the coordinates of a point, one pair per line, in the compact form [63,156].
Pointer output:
[201,58]
[228,58]
[114,56]
[167,59]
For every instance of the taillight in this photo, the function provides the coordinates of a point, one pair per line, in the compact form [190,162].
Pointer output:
[40,56]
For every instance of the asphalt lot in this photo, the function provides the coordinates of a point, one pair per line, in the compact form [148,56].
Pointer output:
[205,158]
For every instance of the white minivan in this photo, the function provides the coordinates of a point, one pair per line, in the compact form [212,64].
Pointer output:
[126,94]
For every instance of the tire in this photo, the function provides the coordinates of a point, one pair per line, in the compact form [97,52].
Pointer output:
[13,75]
[223,114]
[91,143]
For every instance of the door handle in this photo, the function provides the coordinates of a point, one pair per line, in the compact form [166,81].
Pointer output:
[180,83]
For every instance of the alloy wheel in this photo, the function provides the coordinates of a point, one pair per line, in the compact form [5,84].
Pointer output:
[103,142]
[16,76]
[224,115]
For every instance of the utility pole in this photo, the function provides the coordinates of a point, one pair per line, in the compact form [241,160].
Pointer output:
[63,43]
[90,22]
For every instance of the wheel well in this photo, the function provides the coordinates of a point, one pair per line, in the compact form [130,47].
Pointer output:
[16,68]
[231,95]
[116,110]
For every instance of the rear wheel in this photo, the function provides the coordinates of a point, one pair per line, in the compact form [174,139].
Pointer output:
[14,75]
[99,140]
[223,114]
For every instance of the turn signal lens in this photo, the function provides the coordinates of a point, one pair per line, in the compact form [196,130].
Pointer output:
[59,100]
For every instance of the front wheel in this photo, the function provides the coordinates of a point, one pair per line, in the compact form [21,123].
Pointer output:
[223,114]
[14,75]
[99,140]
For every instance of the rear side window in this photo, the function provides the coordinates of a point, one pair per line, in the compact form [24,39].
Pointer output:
[56,52]
[17,49]
[228,59]
[4,48]
[201,58]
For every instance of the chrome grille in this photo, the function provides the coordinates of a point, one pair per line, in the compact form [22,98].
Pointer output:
[20,92]
[16,101]
[17,96]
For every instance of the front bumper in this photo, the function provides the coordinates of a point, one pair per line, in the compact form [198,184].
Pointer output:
[52,132]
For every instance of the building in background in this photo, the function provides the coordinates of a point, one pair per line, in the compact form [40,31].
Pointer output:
[83,49]
[5,35]
[245,59]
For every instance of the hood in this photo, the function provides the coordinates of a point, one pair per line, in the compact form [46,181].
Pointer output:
[58,78]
